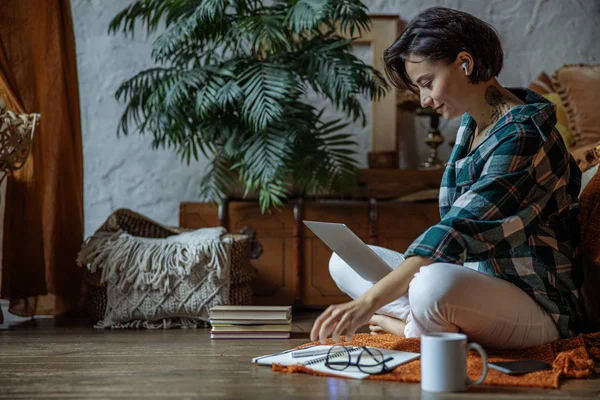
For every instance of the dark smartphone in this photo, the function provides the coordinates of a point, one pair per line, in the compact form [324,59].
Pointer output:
[519,367]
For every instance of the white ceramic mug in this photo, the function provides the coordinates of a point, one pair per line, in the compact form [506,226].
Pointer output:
[444,362]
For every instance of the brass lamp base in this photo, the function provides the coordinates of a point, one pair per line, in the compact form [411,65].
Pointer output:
[434,139]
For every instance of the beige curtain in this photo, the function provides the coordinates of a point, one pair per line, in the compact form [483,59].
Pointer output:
[43,219]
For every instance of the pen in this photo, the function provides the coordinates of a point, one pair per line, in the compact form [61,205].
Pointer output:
[314,352]
[309,353]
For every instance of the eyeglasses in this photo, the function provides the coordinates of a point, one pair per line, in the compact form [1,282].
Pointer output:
[370,361]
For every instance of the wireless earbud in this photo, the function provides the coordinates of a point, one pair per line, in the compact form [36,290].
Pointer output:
[465,68]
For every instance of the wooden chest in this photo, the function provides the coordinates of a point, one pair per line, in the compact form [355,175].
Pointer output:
[293,268]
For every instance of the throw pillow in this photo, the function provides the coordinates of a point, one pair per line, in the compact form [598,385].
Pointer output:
[578,86]
[543,85]
[562,120]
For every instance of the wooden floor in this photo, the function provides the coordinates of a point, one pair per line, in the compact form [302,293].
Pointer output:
[57,359]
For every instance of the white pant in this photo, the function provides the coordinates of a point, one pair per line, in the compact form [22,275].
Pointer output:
[446,297]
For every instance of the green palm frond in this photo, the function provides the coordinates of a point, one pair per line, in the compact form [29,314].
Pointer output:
[137,92]
[264,164]
[265,87]
[217,180]
[351,14]
[207,98]
[151,13]
[230,86]
[178,86]
[341,166]
[265,32]
[199,26]
[229,93]
[339,75]
[328,159]
[309,15]
[306,15]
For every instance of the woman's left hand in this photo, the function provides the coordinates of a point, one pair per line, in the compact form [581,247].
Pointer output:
[342,318]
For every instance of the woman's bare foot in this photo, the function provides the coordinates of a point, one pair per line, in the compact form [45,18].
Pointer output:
[384,324]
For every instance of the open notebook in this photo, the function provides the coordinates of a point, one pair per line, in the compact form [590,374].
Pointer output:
[317,363]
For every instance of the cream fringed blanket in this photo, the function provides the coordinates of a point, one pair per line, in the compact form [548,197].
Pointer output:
[160,283]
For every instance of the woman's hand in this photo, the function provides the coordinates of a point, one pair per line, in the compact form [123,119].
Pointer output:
[348,317]
[342,318]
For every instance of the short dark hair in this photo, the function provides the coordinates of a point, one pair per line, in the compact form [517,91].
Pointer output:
[439,33]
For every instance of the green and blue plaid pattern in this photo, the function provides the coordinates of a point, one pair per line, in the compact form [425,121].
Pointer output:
[509,209]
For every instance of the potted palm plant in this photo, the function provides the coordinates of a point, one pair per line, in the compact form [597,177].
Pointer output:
[231,82]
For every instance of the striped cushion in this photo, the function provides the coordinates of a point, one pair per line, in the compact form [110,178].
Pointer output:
[578,86]
[543,85]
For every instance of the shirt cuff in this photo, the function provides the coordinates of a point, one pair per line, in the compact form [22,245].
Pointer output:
[438,244]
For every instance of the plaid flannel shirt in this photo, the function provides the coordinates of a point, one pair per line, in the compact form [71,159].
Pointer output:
[509,209]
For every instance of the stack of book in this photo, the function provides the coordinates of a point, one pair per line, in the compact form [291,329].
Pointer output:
[251,322]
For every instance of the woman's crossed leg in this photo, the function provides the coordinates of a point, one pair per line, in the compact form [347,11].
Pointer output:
[446,297]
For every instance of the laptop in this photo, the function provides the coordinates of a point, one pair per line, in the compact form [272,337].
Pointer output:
[350,248]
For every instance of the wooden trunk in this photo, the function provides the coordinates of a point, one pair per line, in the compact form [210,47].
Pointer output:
[294,266]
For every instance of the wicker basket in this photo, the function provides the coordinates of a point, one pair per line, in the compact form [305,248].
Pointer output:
[242,271]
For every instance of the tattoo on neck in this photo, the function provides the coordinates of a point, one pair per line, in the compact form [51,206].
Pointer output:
[494,98]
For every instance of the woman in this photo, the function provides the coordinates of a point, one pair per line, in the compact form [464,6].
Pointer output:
[501,264]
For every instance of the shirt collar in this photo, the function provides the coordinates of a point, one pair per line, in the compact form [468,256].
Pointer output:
[537,108]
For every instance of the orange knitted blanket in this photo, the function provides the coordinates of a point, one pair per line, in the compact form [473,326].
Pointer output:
[570,358]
